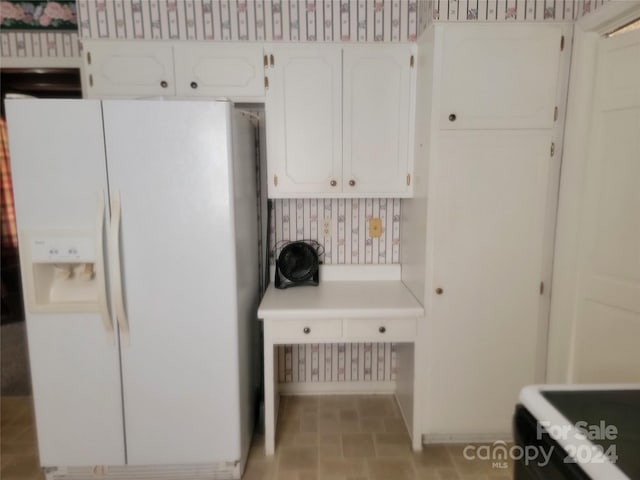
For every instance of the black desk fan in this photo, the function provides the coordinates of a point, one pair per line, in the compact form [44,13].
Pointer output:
[298,263]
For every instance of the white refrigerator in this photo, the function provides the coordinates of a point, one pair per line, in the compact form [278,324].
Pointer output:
[139,255]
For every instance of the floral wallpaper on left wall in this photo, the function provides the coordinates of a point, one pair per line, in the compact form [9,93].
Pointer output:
[40,29]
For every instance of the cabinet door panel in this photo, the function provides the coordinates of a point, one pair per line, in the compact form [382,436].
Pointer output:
[377,119]
[304,128]
[490,208]
[499,76]
[128,69]
[219,70]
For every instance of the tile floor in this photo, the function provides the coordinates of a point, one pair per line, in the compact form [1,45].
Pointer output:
[356,438]
[319,438]
[18,452]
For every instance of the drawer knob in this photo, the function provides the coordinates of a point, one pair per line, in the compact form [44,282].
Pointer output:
[306,330]
[352,183]
[164,84]
[382,329]
[194,85]
[333,183]
[452,117]
[439,291]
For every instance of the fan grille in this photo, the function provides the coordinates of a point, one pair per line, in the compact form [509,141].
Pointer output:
[298,261]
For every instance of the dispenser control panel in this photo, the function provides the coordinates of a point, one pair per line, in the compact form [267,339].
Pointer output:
[62,249]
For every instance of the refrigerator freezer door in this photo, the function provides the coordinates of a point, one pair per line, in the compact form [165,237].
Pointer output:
[170,162]
[58,166]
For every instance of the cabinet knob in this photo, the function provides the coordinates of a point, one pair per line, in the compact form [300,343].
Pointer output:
[333,183]
[194,85]
[306,330]
[452,117]
[164,84]
[382,329]
[439,291]
[352,183]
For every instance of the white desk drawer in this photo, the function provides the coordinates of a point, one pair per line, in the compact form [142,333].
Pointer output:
[303,331]
[380,330]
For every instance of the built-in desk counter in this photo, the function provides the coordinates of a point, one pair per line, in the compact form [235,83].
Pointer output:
[351,304]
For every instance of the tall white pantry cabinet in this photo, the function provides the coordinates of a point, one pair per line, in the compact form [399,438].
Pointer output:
[486,172]
[163,193]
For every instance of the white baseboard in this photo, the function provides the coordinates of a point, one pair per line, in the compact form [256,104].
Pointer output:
[337,388]
[428,438]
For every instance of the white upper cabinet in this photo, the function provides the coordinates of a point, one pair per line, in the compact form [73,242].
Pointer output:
[127,69]
[377,118]
[215,70]
[340,121]
[499,78]
[304,128]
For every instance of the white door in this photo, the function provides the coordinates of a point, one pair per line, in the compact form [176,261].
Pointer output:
[378,85]
[59,174]
[127,69]
[304,129]
[209,70]
[499,76]
[607,322]
[489,208]
[170,164]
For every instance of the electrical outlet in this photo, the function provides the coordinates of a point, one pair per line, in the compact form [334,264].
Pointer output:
[326,227]
[375,228]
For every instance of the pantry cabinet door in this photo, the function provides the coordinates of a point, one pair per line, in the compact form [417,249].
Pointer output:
[224,70]
[127,69]
[304,128]
[490,208]
[499,76]
[378,119]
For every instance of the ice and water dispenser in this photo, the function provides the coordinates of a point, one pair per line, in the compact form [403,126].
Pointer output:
[63,272]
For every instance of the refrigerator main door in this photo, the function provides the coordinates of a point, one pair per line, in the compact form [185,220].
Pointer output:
[169,164]
[59,178]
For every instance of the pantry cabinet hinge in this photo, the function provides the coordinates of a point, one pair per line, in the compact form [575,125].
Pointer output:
[553,149]
[266,61]
[541,288]
[555,114]
[562,43]
[266,82]
[91,79]
[272,60]
[408,179]
[411,61]
[275,180]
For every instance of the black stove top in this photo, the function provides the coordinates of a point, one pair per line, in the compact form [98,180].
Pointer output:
[609,418]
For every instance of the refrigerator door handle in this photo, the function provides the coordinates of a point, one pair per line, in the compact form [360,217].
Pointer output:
[116,269]
[101,277]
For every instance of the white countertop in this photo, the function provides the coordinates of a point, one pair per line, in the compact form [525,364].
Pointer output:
[335,298]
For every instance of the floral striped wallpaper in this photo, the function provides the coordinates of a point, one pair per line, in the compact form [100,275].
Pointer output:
[253,20]
[510,10]
[278,20]
[347,240]
[29,44]
[338,362]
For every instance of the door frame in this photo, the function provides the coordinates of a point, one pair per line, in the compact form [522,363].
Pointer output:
[587,32]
